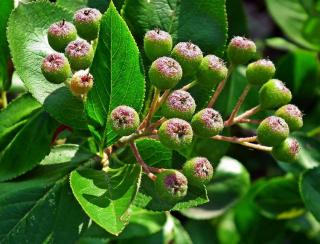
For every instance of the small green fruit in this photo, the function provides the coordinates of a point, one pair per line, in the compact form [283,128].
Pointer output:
[179,104]
[198,171]
[124,120]
[165,73]
[56,68]
[207,123]
[287,151]
[212,70]
[272,131]
[171,185]
[274,94]
[241,50]
[80,54]
[175,134]
[87,22]
[81,83]
[157,43]
[260,72]
[292,115]
[189,56]
[60,34]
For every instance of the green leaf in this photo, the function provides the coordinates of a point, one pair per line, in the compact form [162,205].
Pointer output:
[149,199]
[310,191]
[107,196]
[237,21]
[74,5]
[29,46]
[203,22]
[6,7]
[201,231]
[15,116]
[119,78]
[280,43]
[279,198]
[40,207]
[231,181]
[28,148]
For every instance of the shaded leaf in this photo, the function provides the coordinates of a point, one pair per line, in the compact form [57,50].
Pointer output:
[74,5]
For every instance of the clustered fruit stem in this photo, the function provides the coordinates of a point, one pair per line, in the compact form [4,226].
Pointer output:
[154,104]
[4,100]
[247,114]
[189,86]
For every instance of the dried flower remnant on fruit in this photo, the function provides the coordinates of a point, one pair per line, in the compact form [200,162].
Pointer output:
[241,50]
[80,54]
[60,34]
[124,120]
[81,83]
[157,43]
[287,151]
[55,67]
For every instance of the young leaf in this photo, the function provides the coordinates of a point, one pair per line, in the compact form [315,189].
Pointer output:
[29,46]
[118,75]
[107,196]
[76,5]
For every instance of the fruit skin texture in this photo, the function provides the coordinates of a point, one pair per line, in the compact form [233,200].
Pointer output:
[260,72]
[207,123]
[274,94]
[157,43]
[241,50]
[87,22]
[81,83]
[287,151]
[272,131]
[60,34]
[179,104]
[198,171]
[212,70]
[175,134]
[292,115]
[80,54]
[189,56]
[56,68]
[165,73]
[171,185]
[124,120]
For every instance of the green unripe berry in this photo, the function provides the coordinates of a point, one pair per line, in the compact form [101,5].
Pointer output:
[179,104]
[165,73]
[171,185]
[207,123]
[157,43]
[80,54]
[274,94]
[272,131]
[287,151]
[189,57]
[241,50]
[292,115]
[87,22]
[260,72]
[60,34]
[81,83]
[56,68]
[212,70]
[124,120]
[175,134]
[198,171]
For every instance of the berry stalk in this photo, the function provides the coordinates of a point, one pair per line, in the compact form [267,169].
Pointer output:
[247,114]
[4,100]
[153,109]
[189,86]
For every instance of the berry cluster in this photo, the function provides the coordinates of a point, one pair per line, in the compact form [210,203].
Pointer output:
[73,51]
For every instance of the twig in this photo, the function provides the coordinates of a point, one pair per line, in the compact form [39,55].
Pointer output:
[247,114]
[152,110]
[249,121]
[189,86]
[163,98]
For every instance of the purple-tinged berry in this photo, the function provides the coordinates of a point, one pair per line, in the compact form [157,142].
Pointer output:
[287,151]
[171,185]
[260,72]
[60,34]
[165,73]
[207,123]
[274,94]
[212,70]
[241,50]
[56,68]
[189,57]
[81,83]
[124,120]
[198,171]
[272,131]
[292,115]
[175,134]
[157,43]
[80,54]
[87,22]
[179,104]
